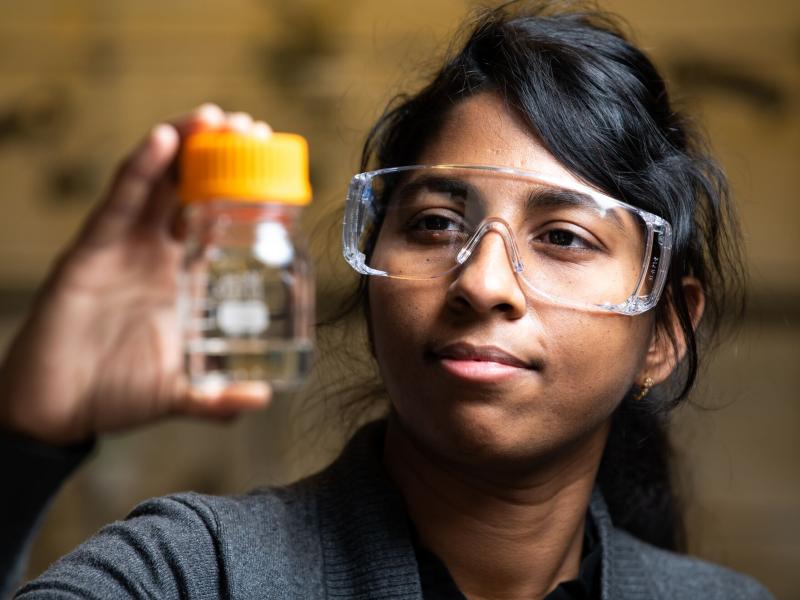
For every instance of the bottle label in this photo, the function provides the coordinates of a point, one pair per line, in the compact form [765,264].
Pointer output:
[242,317]
[241,309]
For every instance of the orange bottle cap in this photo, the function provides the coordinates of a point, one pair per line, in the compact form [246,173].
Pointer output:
[229,164]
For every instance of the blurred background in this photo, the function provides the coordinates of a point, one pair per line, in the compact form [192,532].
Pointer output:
[82,81]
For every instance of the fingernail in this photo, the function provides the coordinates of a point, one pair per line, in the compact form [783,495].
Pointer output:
[159,130]
[240,121]
[210,112]
[162,132]
[261,130]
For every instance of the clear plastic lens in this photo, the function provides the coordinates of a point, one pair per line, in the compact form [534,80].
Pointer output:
[568,244]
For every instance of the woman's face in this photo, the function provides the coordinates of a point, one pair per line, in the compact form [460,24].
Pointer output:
[441,344]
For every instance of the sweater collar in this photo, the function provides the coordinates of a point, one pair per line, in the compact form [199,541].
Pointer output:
[366,542]
[622,573]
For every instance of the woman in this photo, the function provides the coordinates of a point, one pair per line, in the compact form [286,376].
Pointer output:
[515,310]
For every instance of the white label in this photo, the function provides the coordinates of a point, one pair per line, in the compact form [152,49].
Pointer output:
[273,246]
[242,317]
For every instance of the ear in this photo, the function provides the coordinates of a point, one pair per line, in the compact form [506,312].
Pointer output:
[667,344]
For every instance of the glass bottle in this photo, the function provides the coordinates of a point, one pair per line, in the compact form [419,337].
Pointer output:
[246,292]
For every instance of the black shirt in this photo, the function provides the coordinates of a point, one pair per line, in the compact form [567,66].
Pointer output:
[437,584]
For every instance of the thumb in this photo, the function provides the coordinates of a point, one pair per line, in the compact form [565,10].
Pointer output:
[135,180]
[225,400]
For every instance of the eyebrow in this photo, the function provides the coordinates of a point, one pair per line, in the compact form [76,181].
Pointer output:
[439,183]
[538,198]
[562,198]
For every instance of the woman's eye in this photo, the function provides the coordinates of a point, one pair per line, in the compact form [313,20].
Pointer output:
[434,223]
[564,238]
[435,228]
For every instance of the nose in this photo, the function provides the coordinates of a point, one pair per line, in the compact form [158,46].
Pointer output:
[487,282]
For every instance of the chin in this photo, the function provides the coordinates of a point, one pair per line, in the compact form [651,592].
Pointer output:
[493,438]
[478,434]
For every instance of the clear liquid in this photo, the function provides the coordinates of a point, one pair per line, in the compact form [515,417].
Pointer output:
[217,363]
[247,303]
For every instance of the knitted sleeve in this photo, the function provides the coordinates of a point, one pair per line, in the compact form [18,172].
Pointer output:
[166,548]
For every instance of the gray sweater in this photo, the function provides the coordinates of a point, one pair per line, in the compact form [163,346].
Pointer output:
[342,533]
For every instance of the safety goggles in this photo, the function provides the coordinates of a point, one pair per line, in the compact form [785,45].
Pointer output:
[569,244]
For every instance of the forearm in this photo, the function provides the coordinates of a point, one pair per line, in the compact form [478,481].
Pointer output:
[166,548]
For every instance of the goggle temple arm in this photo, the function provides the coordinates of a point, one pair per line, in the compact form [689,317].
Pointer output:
[358,201]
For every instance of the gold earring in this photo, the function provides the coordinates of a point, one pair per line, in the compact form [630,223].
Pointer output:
[644,389]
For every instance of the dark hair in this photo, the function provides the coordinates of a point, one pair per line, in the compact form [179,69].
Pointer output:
[598,104]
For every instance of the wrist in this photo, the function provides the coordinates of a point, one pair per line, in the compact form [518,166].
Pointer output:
[18,417]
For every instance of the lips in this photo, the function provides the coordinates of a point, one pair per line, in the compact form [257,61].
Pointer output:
[467,352]
[479,365]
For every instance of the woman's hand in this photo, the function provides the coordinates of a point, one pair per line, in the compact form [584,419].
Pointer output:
[101,349]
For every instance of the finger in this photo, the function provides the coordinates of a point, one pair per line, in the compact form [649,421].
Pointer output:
[205,116]
[240,122]
[132,185]
[261,130]
[228,400]
[161,206]
[178,227]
